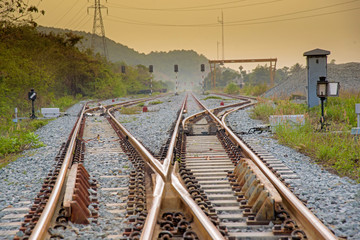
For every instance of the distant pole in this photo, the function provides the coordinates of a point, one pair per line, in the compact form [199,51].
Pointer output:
[176,81]
[151,90]
[16,117]
[151,69]
[176,69]
[222,30]
[202,69]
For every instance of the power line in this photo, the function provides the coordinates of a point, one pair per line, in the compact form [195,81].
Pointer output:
[193,8]
[77,17]
[66,13]
[135,22]
[242,22]
[176,9]
[81,23]
[293,13]
[295,18]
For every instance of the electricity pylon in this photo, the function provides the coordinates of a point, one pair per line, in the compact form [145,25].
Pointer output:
[98,26]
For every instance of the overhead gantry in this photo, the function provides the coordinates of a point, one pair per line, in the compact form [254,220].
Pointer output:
[272,67]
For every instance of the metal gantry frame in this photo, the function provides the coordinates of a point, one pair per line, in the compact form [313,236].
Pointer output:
[98,26]
[272,67]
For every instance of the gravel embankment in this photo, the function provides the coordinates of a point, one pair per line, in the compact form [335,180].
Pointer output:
[334,200]
[21,180]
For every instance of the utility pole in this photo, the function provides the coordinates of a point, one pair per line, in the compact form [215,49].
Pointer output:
[98,26]
[222,30]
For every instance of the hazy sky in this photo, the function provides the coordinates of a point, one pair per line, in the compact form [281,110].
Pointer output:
[282,29]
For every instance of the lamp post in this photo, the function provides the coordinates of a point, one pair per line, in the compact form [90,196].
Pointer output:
[321,92]
[326,89]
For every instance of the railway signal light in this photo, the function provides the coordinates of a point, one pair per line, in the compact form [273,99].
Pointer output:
[202,67]
[32,96]
[176,68]
[151,68]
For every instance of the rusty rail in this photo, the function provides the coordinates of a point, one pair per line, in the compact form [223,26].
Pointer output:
[164,177]
[315,228]
[44,221]
[312,225]
[40,229]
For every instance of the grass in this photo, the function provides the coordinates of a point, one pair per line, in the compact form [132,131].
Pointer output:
[282,107]
[130,110]
[213,97]
[254,90]
[155,102]
[335,149]
[16,138]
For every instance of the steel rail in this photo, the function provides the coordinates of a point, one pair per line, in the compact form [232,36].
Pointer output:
[150,222]
[170,152]
[43,223]
[236,96]
[153,162]
[204,220]
[306,218]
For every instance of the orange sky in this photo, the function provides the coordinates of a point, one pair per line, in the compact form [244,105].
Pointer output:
[284,29]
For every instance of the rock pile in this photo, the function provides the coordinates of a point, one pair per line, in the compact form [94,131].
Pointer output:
[348,74]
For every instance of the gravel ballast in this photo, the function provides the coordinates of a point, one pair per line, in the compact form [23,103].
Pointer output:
[22,179]
[334,200]
[152,128]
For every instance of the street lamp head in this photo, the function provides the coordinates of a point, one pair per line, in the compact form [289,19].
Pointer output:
[321,90]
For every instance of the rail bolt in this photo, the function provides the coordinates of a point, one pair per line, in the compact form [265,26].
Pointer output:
[182,226]
[165,235]
[190,235]
[298,235]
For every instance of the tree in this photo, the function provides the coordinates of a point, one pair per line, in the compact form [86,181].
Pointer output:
[15,11]
[232,88]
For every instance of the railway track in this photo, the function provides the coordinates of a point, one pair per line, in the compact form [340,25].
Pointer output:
[206,184]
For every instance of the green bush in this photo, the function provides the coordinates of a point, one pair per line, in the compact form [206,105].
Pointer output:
[18,142]
[232,88]
[254,90]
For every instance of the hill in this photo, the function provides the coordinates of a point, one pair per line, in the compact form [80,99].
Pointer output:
[188,60]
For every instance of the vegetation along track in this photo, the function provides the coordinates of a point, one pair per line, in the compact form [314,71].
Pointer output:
[208,185]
